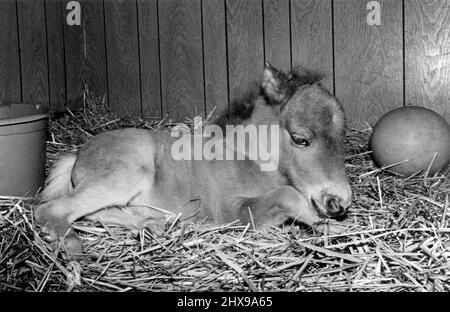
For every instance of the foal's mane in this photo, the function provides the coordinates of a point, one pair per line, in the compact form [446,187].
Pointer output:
[241,108]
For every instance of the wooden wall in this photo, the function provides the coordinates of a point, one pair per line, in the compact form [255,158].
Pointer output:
[185,57]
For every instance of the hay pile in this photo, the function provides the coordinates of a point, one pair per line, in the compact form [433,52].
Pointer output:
[397,237]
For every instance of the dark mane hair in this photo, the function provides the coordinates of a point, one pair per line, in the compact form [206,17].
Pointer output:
[241,108]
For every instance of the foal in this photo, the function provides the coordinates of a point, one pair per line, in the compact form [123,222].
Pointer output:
[130,177]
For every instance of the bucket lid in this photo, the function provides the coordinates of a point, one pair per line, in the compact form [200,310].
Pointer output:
[21,113]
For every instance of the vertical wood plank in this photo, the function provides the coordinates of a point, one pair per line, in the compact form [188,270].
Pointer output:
[33,54]
[10,88]
[427,55]
[123,56]
[245,44]
[149,58]
[215,55]
[85,53]
[55,48]
[277,44]
[181,58]
[368,60]
[312,37]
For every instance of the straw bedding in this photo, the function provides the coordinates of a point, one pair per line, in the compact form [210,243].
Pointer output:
[396,237]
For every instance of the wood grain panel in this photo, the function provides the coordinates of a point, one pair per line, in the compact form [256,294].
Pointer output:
[368,60]
[277,44]
[33,54]
[312,41]
[427,55]
[10,90]
[215,55]
[55,48]
[123,56]
[149,58]
[181,58]
[245,44]
[85,53]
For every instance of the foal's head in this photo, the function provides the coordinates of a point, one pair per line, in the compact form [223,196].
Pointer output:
[312,131]
[312,124]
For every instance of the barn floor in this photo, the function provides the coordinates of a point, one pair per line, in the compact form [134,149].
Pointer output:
[396,238]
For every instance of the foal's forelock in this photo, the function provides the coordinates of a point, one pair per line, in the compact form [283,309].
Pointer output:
[315,108]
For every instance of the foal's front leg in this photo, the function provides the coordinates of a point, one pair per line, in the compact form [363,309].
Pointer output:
[275,207]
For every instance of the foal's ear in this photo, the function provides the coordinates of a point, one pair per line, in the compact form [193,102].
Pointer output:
[274,83]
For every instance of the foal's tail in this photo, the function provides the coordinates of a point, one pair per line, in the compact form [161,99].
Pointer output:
[59,181]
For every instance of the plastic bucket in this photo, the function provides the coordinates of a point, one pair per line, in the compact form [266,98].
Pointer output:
[23,133]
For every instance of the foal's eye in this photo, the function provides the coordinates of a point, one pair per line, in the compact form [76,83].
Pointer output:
[300,141]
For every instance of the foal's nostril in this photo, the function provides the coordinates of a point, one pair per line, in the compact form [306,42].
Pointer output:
[332,204]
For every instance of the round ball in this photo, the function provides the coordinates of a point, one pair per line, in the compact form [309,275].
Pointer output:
[411,133]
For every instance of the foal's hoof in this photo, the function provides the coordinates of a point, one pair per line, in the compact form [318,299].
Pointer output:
[70,242]
[73,244]
[155,226]
[66,238]
[57,230]
[331,228]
